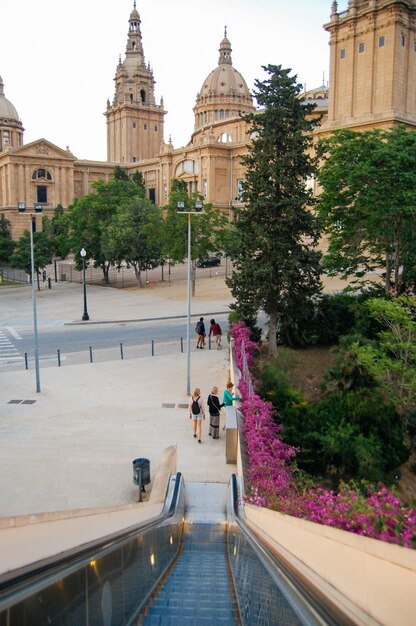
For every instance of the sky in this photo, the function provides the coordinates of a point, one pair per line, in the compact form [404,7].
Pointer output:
[58,59]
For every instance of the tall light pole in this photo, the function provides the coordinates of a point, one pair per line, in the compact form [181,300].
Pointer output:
[198,210]
[38,209]
[85,315]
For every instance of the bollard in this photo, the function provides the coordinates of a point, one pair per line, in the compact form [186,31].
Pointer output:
[181,344]
[49,283]
[26,362]
[209,343]
[153,347]
[121,351]
[90,354]
[59,358]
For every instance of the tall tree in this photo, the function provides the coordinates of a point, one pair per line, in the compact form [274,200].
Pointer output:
[57,230]
[276,263]
[42,253]
[206,228]
[368,204]
[7,246]
[91,215]
[134,236]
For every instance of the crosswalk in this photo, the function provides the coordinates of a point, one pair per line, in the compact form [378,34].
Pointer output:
[8,353]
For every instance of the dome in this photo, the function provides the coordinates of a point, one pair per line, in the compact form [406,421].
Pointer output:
[225,80]
[7,110]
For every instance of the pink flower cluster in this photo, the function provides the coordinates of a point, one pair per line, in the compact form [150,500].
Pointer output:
[372,512]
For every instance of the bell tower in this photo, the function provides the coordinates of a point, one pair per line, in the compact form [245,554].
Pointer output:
[372,64]
[134,120]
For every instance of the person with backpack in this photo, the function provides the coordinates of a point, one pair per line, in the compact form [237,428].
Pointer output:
[197,413]
[215,329]
[214,408]
[200,331]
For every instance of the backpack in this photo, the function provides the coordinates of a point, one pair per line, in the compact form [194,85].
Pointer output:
[195,407]
[198,328]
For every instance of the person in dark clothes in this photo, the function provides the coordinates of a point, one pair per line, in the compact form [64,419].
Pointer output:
[214,408]
[200,329]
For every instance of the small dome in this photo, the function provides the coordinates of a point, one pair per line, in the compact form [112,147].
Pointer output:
[7,110]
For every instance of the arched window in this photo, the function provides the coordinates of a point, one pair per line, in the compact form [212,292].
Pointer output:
[143,96]
[41,173]
[225,138]
[187,167]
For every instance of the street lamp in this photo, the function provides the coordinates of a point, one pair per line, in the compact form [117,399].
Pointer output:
[38,208]
[198,210]
[83,254]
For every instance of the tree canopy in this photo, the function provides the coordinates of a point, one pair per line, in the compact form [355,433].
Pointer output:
[276,263]
[368,204]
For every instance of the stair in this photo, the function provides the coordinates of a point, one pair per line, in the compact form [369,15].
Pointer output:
[198,589]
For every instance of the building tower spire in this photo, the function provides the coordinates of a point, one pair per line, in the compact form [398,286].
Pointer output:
[134,120]
[225,50]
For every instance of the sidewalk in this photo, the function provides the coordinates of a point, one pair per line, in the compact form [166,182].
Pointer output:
[72,445]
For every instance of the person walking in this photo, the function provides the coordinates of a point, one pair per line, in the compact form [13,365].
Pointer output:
[214,408]
[197,413]
[200,330]
[215,330]
[228,397]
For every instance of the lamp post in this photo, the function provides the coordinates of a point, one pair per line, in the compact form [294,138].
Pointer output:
[85,315]
[38,208]
[181,209]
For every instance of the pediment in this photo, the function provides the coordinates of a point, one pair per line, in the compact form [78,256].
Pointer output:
[42,148]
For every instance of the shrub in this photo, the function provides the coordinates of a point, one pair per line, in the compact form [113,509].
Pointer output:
[364,509]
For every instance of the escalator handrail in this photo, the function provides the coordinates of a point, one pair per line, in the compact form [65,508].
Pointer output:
[278,569]
[12,582]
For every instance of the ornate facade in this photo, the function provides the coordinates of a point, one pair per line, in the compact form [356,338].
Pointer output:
[372,78]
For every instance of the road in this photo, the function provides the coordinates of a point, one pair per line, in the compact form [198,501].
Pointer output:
[104,339]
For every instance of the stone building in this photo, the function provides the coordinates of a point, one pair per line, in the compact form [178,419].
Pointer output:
[371,84]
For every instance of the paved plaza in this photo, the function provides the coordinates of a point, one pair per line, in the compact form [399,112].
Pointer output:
[72,445]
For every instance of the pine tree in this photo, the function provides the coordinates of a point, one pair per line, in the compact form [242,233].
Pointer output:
[277,265]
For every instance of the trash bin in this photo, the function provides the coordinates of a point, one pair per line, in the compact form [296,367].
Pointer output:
[141,472]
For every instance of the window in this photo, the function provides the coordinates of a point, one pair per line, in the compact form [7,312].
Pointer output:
[131,97]
[187,167]
[225,138]
[143,96]
[134,124]
[205,188]
[134,159]
[342,53]
[145,126]
[155,129]
[403,40]
[239,196]
[361,47]
[6,137]
[165,191]
[152,195]
[41,173]
[414,45]
[381,41]
[41,194]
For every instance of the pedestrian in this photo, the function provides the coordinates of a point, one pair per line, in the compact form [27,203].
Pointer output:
[197,413]
[214,408]
[200,330]
[215,330]
[228,397]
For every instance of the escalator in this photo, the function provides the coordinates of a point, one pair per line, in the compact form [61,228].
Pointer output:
[182,567]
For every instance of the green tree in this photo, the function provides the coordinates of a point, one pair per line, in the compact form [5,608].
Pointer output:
[134,236]
[207,228]
[90,217]
[7,246]
[57,230]
[42,253]
[368,204]
[392,359]
[276,263]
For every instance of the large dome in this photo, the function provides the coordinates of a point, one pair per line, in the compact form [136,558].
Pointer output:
[225,80]
[7,110]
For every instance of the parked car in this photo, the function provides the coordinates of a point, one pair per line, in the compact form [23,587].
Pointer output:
[211,261]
